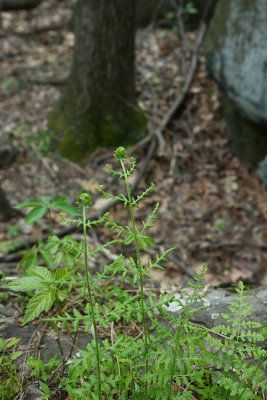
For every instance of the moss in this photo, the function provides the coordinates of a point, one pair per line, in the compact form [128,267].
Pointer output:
[75,138]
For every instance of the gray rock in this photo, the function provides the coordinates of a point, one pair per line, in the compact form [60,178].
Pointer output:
[262,170]
[33,393]
[217,302]
[237,54]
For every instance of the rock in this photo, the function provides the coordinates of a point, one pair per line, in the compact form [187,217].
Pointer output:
[33,393]
[7,150]
[217,302]
[237,59]
[262,170]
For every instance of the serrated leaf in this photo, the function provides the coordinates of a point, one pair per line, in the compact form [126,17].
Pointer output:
[29,203]
[25,284]
[39,302]
[63,274]
[30,261]
[44,388]
[45,199]
[68,208]
[35,214]
[47,256]
[42,273]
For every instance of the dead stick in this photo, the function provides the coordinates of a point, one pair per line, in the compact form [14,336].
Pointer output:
[180,99]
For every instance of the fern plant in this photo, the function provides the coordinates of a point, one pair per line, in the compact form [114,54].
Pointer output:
[170,358]
[237,360]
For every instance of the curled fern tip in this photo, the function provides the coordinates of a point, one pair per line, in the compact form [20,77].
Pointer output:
[84,199]
[120,154]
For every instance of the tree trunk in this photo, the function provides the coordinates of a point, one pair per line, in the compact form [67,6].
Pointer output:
[6,211]
[98,107]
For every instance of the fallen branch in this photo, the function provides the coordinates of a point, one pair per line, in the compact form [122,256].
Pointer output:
[180,99]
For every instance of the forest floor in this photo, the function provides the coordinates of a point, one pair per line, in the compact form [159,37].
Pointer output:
[212,208]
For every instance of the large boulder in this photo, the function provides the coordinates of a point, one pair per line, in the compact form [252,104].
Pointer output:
[236,56]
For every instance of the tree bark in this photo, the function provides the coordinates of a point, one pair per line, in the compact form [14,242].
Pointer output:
[13,5]
[98,107]
[6,211]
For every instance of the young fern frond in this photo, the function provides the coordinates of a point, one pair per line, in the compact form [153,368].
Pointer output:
[234,357]
[143,196]
[147,224]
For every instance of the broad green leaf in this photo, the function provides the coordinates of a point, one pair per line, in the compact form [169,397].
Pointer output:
[29,203]
[42,273]
[63,274]
[15,354]
[44,388]
[2,344]
[39,302]
[30,260]
[47,256]
[35,214]
[45,199]
[25,284]
[13,342]
[58,258]
[60,199]
[68,208]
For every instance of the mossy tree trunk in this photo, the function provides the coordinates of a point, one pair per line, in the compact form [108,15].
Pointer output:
[98,107]
[6,211]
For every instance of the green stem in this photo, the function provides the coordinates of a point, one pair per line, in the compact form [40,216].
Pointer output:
[91,302]
[139,265]
[177,340]
[62,315]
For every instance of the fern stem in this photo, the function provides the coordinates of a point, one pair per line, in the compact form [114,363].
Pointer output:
[196,287]
[139,265]
[62,315]
[91,302]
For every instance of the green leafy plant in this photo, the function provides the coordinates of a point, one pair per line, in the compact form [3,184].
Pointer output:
[10,83]
[220,225]
[190,8]
[40,143]
[43,205]
[174,359]
[174,18]
[238,361]
[9,383]
[43,372]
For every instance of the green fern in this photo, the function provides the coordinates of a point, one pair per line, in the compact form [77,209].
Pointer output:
[236,360]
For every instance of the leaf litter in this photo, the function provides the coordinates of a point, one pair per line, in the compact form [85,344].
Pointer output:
[212,208]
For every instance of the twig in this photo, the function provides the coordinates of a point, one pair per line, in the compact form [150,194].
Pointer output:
[180,99]
[58,82]
[181,265]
